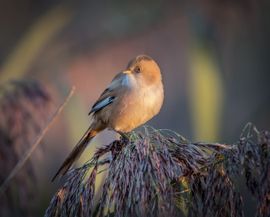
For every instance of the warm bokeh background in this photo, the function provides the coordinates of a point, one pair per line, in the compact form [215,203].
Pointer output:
[214,56]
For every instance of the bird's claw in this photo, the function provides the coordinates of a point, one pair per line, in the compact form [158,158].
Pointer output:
[125,136]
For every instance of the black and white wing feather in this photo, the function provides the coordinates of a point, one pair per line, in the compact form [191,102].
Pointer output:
[109,94]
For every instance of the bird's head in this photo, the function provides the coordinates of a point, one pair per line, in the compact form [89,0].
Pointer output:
[144,69]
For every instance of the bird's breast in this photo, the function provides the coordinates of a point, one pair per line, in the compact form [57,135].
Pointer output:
[136,107]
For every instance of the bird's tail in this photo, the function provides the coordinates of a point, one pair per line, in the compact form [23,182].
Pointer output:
[76,152]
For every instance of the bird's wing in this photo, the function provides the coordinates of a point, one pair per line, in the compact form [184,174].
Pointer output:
[109,94]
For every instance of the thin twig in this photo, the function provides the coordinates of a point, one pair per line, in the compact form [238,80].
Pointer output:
[219,145]
[26,156]
[181,192]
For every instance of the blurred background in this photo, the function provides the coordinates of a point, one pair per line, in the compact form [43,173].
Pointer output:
[214,57]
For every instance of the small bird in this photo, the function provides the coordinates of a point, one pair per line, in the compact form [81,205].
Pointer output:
[134,96]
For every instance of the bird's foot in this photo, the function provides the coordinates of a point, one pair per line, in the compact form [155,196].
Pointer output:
[125,136]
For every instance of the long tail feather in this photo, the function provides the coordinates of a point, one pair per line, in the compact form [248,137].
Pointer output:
[76,152]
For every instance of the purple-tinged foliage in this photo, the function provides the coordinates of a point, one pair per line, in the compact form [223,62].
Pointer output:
[25,106]
[159,173]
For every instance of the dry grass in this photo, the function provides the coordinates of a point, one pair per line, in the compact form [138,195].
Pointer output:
[24,108]
[159,173]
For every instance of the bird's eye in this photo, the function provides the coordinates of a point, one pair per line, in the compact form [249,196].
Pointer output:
[137,69]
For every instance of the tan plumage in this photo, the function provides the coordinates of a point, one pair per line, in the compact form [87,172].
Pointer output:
[133,97]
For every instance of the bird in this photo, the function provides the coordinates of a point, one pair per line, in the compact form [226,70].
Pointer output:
[134,96]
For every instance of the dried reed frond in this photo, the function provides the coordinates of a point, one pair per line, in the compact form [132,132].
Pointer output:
[159,173]
[24,108]
[251,157]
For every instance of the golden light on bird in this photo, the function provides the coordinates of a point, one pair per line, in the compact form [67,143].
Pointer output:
[134,96]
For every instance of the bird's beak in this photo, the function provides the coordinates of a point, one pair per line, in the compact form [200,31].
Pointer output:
[127,72]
